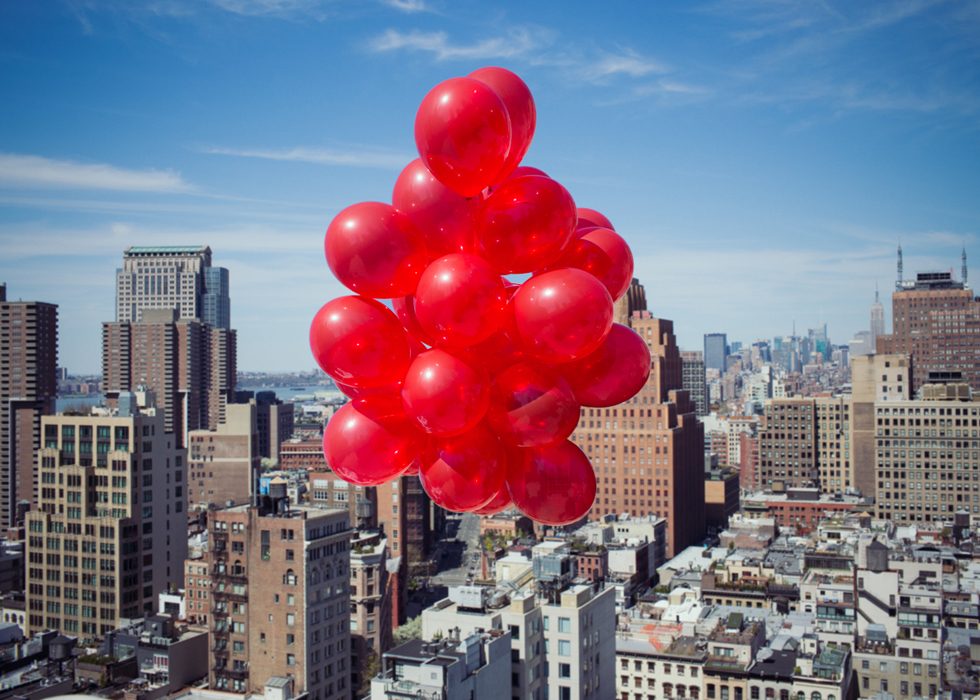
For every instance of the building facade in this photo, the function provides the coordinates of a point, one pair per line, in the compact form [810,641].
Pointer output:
[788,444]
[224,463]
[28,389]
[692,379]
[716,351]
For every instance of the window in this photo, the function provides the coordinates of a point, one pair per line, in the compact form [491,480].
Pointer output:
[564,670]
[290,659]
[564,647]
[290,619]
[564,693]
[564,625]
[515,632]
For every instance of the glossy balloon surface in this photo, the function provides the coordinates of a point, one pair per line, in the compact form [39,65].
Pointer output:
[382,404]
[562,314]
[603,254]
[463,134]
[590,217]
[525,224]
[364,452]
[465,472]
[359,342]
[375,250]
[444,217]
[460,300]
[445,395]
[612,373]
[404,308]
[552,484]
[498,503]
[531,405]
[520,107]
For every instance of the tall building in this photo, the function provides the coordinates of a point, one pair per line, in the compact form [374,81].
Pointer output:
[916,485]
[788,444]
[172,277]
[370,605]
[280,598]
[274,420]
[692,379]
[833,415]
[172,334]
[936,322]
[715,351]
[877,320]
[108,533]
[28,389]
[648,452]
[224,463]
[327,490]
[875,379]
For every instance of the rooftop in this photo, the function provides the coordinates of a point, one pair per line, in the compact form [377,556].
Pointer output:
[167,250]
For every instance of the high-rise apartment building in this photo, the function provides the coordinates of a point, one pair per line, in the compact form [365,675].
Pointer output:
[927,449]
[28,389]
[172,277]
[273,418]
[715,351]
[224,464]
[108,533]
[788,444]
[833,432]
[692,379]
[370,604]
[648,452]
[936,322]
[172,334]
[280,598]
[875,379]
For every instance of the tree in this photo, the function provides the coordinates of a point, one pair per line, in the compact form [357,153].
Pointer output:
[409,631]
[371,668]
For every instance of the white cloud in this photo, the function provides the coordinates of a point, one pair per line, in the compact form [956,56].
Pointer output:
[314,9]
[517,42]
[363,158]
[625,63]
[38,172]
[408,6]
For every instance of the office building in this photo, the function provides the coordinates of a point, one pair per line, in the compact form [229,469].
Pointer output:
[936,322]
[28,389]
[224,463]
[928,467]
[648,452]
[692,379]
[109,530]
[327,490]
[300,454]
[877,321]
[716,351]
[280,598]
[833,415]
[788,444]
[875,379]
[274,421]
[172,335]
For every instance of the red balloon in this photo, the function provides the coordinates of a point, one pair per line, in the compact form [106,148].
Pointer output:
[359,342]
[498,503]
[463,134]
[460,300]
[531,405]
[465,472]
[445,218]
[382,404]
[413,469]
[592,218]
[552,484]
[365,452]
[525,224]
[604,254]
[404,308]
[562,314]
[500,350]
[375,250]
[520,106]
[612,373]
[523,170]
[444,394]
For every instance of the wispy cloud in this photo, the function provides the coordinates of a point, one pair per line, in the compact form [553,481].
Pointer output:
[519,41]
[312,9]
[408,6]
[948,238]
[360,158]
[38,172]
[627,62]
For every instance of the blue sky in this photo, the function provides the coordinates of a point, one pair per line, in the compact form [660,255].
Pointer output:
[763,158]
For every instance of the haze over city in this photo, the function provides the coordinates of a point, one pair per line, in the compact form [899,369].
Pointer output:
[763,160]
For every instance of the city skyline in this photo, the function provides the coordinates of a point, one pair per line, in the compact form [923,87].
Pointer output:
[763,163]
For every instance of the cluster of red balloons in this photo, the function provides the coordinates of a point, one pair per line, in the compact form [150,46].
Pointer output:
[470,379]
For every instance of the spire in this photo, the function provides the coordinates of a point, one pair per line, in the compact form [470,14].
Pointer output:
[963,258]
[876,292]
[898,285]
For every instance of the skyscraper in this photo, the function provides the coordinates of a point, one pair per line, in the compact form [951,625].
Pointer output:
[715,351]
[648,452]
[788,444]
[692,363]
[936,322]
[172,334]
[28,389]
[877,320]
[108,533]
